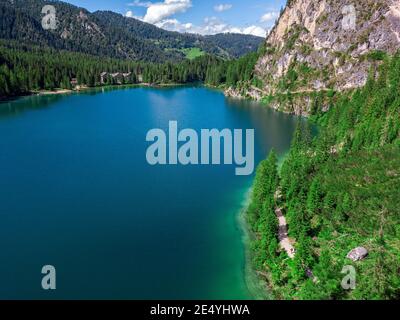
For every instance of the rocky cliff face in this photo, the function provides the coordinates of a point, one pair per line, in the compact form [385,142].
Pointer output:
[326,45]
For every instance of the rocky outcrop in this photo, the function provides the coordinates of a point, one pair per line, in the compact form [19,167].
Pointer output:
[233,93]
[358,254]
[327,45]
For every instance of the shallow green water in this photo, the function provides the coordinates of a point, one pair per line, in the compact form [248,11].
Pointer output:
[76,192]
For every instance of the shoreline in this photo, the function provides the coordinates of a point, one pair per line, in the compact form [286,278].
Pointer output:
[52,92]
[113,86]
[256,285]
[82,89]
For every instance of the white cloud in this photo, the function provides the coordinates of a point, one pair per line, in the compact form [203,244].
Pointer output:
[211,25]
[269,16]
[175,25]
[222,7]
[129,14]
[138,3]
[255,31]
[159,11]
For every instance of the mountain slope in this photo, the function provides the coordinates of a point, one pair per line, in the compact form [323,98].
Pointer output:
[224,45]
[109,34]
[324,46]
[337,190]
[236,45]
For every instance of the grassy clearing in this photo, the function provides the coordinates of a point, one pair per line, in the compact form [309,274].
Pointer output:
[192,53]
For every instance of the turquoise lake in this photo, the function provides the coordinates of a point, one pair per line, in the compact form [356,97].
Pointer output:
[77,193]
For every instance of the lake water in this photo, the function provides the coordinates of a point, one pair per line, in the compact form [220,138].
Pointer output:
[77,193]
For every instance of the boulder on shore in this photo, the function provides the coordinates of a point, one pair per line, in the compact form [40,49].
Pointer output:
[358,254]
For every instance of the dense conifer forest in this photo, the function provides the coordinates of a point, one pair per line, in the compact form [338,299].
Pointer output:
[25,68]
[339,191]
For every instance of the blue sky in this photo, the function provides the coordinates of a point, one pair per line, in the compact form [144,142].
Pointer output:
[199,16]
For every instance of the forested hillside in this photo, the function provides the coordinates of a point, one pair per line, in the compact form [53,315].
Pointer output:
[236,45]
[338,191]
[24,69]
[109,34]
